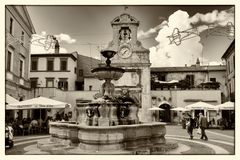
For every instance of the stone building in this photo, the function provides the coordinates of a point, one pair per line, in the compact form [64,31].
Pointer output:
[18,30]
[229,57]
[54,70]
[180,86]
[85,79]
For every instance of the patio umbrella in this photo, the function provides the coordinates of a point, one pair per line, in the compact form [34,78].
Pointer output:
[200,106]
[180,109]
[10,99]
[155,109]
[226,106]
[37,103]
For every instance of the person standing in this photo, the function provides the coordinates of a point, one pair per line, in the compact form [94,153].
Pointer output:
[203,124]
[190,125]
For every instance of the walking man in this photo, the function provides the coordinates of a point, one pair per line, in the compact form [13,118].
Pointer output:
[203,124]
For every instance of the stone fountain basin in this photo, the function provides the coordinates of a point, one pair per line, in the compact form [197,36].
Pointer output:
[103,73]
[102,138]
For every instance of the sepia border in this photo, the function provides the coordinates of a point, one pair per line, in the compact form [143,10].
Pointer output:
[109,2]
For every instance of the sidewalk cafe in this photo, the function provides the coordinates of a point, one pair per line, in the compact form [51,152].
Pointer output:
[42,110]
[222,115]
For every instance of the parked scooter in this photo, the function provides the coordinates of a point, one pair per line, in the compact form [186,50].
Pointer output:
[9,136]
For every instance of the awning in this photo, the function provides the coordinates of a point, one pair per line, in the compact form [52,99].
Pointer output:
[36,103]
[164,102]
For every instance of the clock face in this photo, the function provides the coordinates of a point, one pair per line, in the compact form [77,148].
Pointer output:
[124,52]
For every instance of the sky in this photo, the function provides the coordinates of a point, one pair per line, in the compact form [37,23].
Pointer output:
[203,32]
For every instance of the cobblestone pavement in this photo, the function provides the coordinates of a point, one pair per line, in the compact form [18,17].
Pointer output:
[220,142]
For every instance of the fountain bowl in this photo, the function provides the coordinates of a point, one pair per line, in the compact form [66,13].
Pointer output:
[108,53]
[103,73]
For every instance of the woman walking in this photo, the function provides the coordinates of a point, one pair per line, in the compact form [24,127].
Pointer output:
[190,125]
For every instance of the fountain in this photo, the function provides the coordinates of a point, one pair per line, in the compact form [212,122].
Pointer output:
[107,125]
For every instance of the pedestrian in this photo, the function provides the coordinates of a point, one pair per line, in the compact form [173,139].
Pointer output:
[58,117]
[190,125]
[65,117]
[203,124]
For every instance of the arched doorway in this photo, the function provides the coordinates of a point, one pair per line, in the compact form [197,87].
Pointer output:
[165,115]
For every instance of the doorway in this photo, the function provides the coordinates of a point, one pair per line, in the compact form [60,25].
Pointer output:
[165,115]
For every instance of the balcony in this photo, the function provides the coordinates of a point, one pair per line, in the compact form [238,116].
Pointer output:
[183,85]
[17,80]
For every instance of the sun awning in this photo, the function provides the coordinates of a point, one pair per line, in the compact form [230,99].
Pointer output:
[200,106]
[36,103]
[226,106]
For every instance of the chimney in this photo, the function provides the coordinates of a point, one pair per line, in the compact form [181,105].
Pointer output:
[198,63]
[57,46]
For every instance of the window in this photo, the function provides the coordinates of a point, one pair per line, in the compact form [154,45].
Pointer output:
[63,84]
[21,68]
[190,80]
[34,64]
[90,88]
[233,61]
[50,65]
[11,26]
[228,67]
[63,64]
[213,79]
[75,70]
[9,61]
[49,82]
[33,82]
[22,38]
[80,72]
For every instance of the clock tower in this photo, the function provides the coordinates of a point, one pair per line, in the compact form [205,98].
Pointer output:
[134,58]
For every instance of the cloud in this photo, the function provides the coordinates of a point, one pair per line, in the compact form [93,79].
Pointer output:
[65,38]
[141,34]
[215,17]
[166,54]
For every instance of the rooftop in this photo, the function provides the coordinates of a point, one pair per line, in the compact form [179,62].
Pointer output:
[193,68]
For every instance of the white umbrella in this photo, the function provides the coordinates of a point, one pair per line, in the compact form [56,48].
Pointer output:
[199,106]
[10,99]
[155,109]
[37,103]
[173,81]
[226,106]
[179,109]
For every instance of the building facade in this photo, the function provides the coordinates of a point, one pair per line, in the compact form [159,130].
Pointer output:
[56,70]
[180,86]
[229,57]
[85,80]
[19,29]
[192,77]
